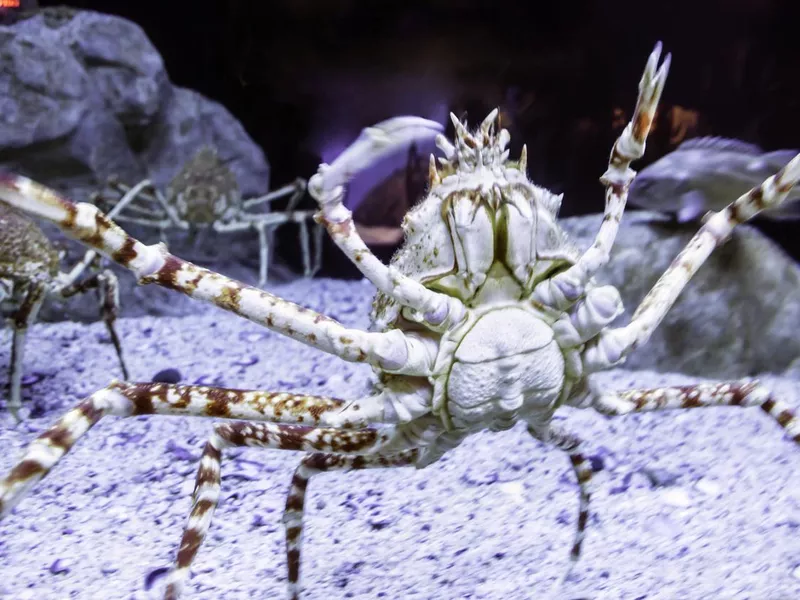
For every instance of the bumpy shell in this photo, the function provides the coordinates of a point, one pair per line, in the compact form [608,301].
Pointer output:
[25,252]
[204,189]
[477,191]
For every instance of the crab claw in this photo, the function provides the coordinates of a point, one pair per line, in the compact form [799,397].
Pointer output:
[372,145]
[650,88]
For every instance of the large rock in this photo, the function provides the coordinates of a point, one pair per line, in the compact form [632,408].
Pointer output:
[85,95]
[54,125]
[737,317]
[188,121]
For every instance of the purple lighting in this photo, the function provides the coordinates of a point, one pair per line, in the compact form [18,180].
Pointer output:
[353,102]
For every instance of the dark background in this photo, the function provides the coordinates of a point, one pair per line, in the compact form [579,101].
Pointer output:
[304,75]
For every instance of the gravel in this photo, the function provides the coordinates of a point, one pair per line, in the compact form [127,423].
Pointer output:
[689,505]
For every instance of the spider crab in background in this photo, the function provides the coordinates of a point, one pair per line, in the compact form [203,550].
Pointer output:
[30,274]
[486,317]
[204,195]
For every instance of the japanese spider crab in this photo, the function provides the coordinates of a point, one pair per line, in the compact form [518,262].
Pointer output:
[204,195]
[486,317]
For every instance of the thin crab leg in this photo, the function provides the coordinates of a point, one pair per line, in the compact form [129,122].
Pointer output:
[271,436]
[123,399]
[263,255]
[327,188]
[393,351]
[567,287]
[20,322]
[745,393]
[91,255]
[265,223]
[297,189]
[311,465]
[154,223]
[311,264]
[107,287]
[156,196]
[614,344]
[572,445]
[317,236]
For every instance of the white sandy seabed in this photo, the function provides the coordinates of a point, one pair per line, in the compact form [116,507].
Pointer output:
[695,505]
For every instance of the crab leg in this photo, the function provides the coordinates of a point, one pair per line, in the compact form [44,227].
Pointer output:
[746,393]
[123,399]
[278,437]
[614,344]
[263,255]
[20,322]
[305,245]
[264,223]
[393,351]
[107,288]
[565,288]
[572,445]
[91,255]
[162,223]
[157,197]
[297,189]
[327,188]
[295,502]
[316,264]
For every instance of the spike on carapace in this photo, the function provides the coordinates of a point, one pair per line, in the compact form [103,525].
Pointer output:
[523,158]
[433,174]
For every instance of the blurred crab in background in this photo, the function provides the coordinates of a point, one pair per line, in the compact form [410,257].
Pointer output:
[204,196]
[29,274]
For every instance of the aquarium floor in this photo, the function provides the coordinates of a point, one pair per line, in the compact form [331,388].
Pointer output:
[692,505]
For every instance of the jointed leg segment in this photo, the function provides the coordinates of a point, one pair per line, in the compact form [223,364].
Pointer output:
[746,393]
[565,288]
[295,502]
[107,288]
[131,399]
[279,437]
[393,351]
[20,322]
[582,467]
[327,187]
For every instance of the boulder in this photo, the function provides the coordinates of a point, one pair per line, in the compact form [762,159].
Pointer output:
[737,317]
[54,125]
[86,95]
[187,121]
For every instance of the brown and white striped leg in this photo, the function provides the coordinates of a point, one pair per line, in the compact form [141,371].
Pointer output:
[131,399]
[745,393]
[276,436]
[107,287]
[613,345]
[327,188]
[20,322]
[565,288]
[394,350]
[582,467]
[295,501]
